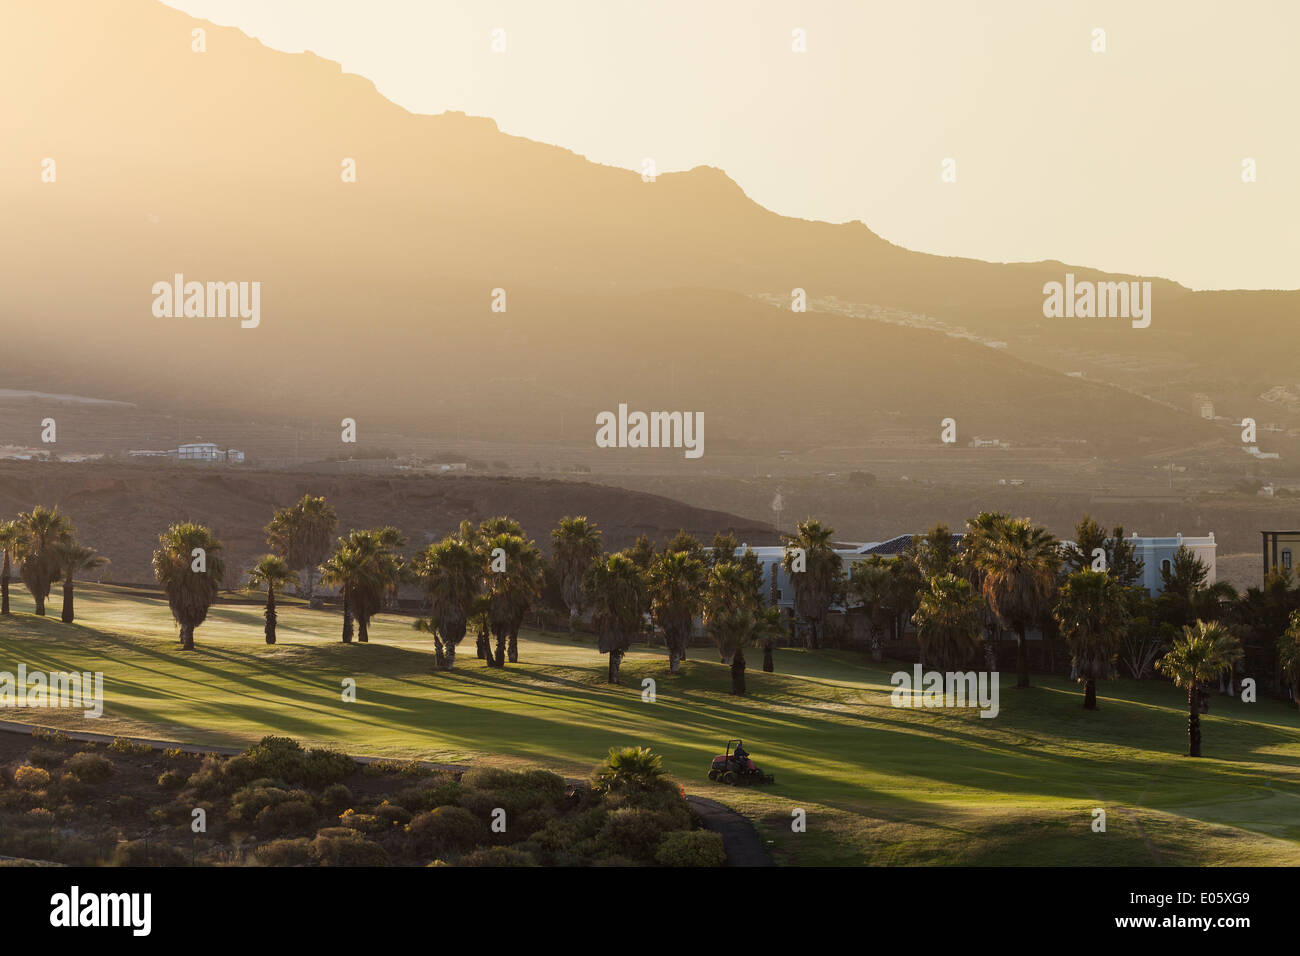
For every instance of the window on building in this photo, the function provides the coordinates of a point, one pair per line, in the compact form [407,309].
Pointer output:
[1286,558]
[1165,565]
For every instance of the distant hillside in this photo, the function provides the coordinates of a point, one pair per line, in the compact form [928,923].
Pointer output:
[121,510]
[225,166]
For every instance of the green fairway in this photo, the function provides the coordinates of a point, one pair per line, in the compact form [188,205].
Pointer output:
[879,784]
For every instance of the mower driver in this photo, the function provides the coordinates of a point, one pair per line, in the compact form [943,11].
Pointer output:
[742,756]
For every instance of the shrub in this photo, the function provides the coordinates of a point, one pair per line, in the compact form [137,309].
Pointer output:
[171,780]
[629,768]
[437,791]
[336,797]
[339,846]
[283,759]
[89,767]
[44,757]
[392,815]
[125,745]
[56,737]
[291,816]
[384,768]
[295,852]
[691,848]
[364,822]
[28,777]
[445,830]
[148,853]
[248,802]
[499,856]
[633,833]
[210,779]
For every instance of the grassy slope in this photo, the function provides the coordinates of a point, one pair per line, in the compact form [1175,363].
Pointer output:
[879,784]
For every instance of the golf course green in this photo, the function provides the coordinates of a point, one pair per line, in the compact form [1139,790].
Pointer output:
[876,784]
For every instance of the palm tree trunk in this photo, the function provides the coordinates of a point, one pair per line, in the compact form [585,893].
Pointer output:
[674,659]
[615,660]
[451,655]
[363,628]
[1090,694]
[483,647]
[39,598]
[270,614]
[738,672]
[1022,658]
[498,659]
[187,637]
[512,652]
[4,586]
[66,616]
[876,652]
[1193,721]
[347,619]
[769,664]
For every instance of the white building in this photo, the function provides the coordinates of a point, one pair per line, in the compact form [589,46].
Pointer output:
[1154,553]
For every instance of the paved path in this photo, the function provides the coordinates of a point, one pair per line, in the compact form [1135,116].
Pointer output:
[740,840]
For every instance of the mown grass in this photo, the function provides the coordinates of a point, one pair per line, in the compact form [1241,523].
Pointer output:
[878,784]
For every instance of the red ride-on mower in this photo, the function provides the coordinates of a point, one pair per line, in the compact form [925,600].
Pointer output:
[736,769]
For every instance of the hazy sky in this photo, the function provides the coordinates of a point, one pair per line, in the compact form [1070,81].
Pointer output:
[1129,160]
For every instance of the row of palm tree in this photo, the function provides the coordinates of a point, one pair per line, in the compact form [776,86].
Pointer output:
[42,544]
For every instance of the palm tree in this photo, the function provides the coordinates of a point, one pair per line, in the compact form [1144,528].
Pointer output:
[451,574]
[1199,656]
[72,559]
[1019,563]
[38,532]
[271,572]
[980,531]
[301,534]
[1289,657]
[816,586]
[190,592]
[629,768]
[734,618]
[1092,610]
[948,623]
[9,535]
[869,586]
[377,586]
[616,589]
[676,583]
[349,571]
[577,545]
[510,592]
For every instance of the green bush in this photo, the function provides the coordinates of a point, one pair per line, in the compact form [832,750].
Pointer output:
[45,757]
[339,846]
[171,780]
[633,833]
[148,853]
[445,830]
[211,779]
[691,848]
[393,815]
[248,802]
[125,745]
[28,777]
[56,737]
[337,797]
[282,758]
[499,856]
[437,791]
[295,852]
[89,767]
[364,822]
[291,816]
